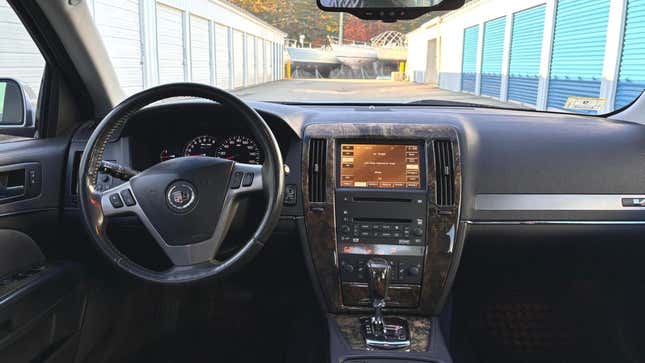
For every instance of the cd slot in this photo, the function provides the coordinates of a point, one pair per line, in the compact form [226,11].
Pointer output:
[382,199]
[382,220]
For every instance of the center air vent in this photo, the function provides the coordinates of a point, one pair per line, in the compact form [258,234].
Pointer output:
[317,169]
[444,164]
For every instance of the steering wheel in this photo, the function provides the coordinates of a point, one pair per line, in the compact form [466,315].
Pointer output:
[187,204]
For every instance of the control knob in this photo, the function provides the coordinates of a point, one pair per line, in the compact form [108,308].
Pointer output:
[348,267]
[414,271]
[418,231]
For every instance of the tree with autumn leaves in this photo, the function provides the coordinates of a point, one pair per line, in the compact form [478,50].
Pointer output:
[296,17]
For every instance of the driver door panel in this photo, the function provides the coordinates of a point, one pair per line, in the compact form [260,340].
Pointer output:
[40,293]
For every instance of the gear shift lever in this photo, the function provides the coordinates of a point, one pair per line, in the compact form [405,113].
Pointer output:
[380,332]
[377,284]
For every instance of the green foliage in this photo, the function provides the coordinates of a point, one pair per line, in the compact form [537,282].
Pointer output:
[296,17]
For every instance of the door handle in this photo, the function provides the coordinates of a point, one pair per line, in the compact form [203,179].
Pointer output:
[19,181]
[11,191]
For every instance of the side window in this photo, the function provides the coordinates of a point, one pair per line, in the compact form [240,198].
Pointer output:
[21,72]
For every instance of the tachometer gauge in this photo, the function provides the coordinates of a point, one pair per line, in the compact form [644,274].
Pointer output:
[201,146]
[242,149]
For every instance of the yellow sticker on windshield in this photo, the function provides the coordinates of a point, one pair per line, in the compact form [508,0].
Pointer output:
[585,103]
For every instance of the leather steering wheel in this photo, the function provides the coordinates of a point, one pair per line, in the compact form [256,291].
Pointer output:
[187,204]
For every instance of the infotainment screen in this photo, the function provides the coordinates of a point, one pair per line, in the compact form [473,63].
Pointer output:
[380,166]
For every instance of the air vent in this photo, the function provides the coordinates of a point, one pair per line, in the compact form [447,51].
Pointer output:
[444,164]
[317,169]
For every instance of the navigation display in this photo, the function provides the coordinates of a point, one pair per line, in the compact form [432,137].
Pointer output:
[380,166]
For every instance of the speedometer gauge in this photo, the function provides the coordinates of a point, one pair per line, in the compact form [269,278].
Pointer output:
[242,149]
[201,146]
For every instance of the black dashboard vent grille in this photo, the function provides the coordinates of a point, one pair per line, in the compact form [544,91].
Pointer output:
[317,169]
[444,164]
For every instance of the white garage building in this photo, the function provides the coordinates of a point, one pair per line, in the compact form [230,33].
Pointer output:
[537,53]
[209,41]
[152,42]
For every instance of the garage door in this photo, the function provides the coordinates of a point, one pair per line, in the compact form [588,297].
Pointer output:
[238,59]
[631,81]
[170,44]
[19,56]
[250,60]
[118,23]
[526,54]
[469,64]
[492,55]
[261,60]
[200,66]
[222,64]
[578,50]
[268,47]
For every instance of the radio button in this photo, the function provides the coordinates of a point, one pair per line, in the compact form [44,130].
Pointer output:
[386,227]
[365,227]
[386,234]
[365,234]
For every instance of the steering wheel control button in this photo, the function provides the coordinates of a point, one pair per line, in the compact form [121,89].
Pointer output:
[248,180]
[236,180]
[128,198]
[116,201]
[181,197]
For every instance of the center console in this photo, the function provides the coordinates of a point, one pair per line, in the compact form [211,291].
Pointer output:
[382,195]
[381,211]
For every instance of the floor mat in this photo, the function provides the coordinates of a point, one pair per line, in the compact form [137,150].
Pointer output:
[524,328]
[539,325]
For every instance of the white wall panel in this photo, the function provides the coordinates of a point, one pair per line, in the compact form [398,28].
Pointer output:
[200,50]
[19,56]
[251,61]
[119,23]
[238,59]
[170,44]
[222,56]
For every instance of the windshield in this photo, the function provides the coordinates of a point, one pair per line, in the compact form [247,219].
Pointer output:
[568,55]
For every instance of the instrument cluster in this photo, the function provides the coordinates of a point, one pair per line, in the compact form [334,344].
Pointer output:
[240,148]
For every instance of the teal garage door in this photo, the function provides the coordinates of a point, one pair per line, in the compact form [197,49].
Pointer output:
[493,53]
[526,52]
[469,63]
[578,50]
[631,80]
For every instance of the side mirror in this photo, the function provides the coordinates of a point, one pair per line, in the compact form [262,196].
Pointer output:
[388,10]
[17,104]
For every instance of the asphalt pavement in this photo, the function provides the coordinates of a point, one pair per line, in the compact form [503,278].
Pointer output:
[335,90]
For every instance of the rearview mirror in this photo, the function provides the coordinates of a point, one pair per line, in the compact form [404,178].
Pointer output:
[16,104]
[388,10]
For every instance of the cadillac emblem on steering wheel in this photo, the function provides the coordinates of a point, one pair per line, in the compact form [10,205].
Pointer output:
[181,196]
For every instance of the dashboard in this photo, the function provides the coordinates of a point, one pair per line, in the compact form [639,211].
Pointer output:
[412,183]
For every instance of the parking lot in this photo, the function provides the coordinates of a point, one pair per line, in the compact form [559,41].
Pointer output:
[341,90]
